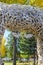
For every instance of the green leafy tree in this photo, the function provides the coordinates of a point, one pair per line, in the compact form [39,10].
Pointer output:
[27,46]
[15,1]
[38,3]
[9,45]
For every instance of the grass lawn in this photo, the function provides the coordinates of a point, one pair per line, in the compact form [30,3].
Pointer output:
[10,63]
[17,63]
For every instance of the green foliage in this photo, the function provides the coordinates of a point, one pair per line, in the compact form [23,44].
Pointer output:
[3,48]
[27,46]
[9,45]
[15,1]
[38,3]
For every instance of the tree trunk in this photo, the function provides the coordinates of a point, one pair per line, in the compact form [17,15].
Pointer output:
[34,58]
[14,57]
[40,51]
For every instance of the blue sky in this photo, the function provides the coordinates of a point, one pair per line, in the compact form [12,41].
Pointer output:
[6,33]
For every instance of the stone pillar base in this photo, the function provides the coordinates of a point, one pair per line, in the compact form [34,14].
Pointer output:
[40,51]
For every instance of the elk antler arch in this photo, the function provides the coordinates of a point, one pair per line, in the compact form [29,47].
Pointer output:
[23,18]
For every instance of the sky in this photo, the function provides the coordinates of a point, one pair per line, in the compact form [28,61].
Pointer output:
[6,35]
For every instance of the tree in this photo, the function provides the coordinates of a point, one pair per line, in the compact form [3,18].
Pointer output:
[9,45]
[14,1]
[3,48]
[26,46]
[38,3]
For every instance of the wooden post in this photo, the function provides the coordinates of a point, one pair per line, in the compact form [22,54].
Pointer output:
[14,57]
